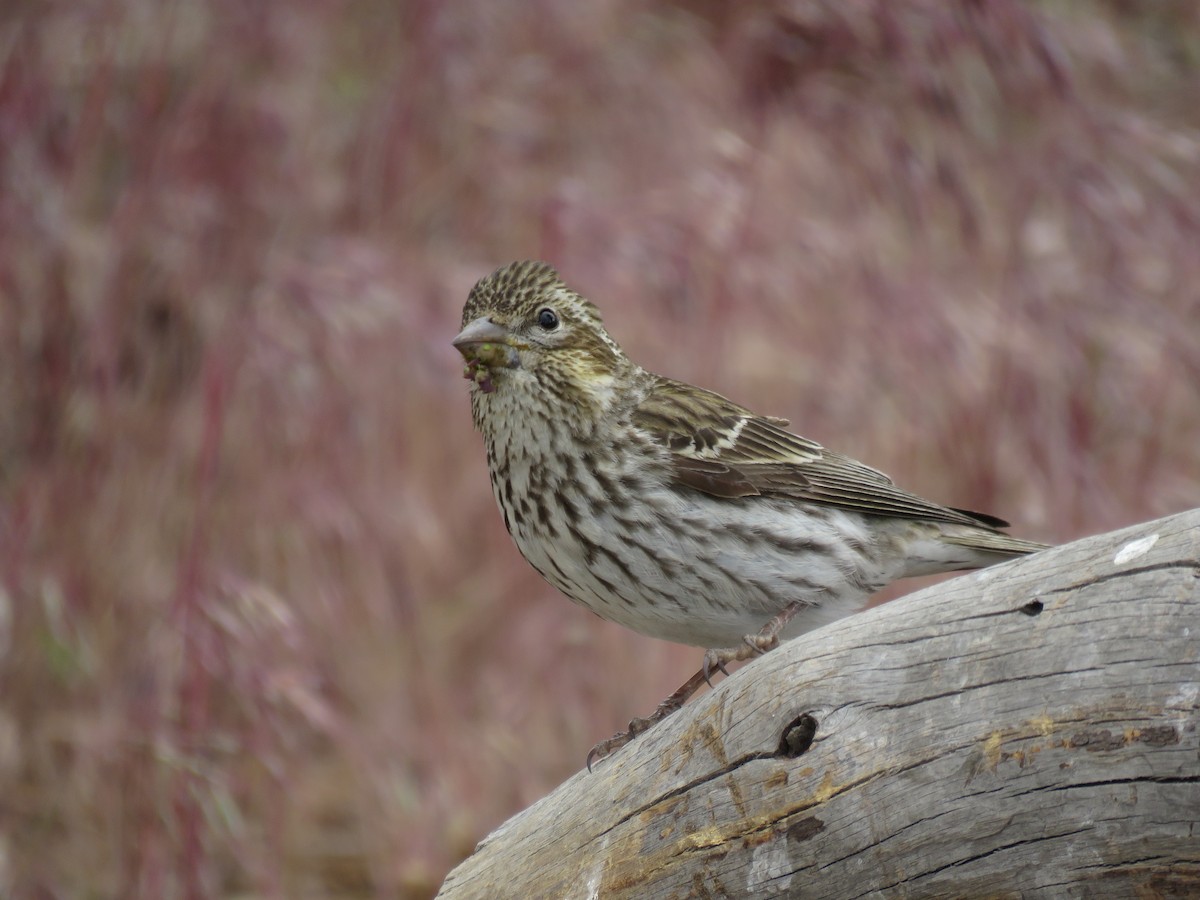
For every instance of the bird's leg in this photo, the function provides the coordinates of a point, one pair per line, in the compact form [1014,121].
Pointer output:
[638,725]
[752,645]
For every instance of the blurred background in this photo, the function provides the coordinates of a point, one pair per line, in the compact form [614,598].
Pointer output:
[262,632]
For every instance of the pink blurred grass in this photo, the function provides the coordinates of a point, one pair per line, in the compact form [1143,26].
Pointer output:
[268,633]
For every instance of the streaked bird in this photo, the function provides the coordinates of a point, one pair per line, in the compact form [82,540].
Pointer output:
[672,510]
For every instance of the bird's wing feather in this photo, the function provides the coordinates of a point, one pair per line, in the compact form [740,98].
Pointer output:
[723,449]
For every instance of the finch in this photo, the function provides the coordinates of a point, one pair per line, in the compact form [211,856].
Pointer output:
[670,509]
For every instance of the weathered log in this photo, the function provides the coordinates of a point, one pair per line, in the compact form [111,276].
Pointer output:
[1030,729]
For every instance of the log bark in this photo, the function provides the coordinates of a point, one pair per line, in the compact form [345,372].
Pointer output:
[1025,730]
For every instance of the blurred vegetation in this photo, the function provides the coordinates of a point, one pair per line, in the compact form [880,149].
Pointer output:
[261,630]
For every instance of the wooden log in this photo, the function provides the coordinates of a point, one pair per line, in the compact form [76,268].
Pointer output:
[1025,730]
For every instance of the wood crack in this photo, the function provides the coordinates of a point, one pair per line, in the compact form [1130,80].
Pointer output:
[1125,573]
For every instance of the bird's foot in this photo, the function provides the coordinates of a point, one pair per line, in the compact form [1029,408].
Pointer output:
[752,645]
[621,738]
[640,725]
[714,660]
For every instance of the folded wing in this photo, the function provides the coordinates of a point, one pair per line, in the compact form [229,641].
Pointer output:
[726,450]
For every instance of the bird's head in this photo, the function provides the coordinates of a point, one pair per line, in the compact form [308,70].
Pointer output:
[523,328]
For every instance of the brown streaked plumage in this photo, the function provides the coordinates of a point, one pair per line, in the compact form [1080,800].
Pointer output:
[671,509]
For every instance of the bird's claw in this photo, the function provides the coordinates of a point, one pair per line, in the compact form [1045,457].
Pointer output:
[760,643]
[604,748]
[714,659]
[621,738]
[752,645]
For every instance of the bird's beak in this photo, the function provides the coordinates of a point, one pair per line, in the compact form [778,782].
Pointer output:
[480,332]
[487,348]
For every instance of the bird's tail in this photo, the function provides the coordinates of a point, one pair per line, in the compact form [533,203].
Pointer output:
[950,547]
[993,542]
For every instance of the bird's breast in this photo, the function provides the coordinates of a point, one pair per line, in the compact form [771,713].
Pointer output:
[605,524]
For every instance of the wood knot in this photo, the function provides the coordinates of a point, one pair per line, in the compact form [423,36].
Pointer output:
[1033,607]
[797,737]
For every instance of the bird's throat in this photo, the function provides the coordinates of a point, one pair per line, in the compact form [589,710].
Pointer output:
[483,361]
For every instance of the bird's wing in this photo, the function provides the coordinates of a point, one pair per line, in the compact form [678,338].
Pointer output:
[723,449]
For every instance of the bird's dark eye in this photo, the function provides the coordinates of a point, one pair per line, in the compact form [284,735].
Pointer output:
[548,319]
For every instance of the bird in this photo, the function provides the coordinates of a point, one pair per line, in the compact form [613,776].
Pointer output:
[672,510]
